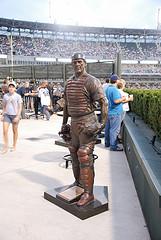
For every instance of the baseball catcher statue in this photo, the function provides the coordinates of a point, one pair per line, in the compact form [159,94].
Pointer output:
[82,91]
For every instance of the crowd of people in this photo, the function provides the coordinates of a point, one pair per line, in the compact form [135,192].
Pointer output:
[135,84]
[41,97]
[59,48]
[18,99]
[141,68]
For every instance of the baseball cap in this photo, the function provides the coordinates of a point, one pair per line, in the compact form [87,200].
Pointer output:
[78,56]
[12,83]
[114,77]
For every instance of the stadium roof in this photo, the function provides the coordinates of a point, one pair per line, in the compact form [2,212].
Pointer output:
[11,24]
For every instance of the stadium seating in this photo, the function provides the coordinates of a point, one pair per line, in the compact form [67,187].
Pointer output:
[59,48]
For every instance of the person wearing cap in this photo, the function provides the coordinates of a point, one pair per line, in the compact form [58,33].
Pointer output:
[115,111]
[12,105]
[81,92]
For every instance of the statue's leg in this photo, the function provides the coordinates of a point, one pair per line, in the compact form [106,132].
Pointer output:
[75,165]
[73,148]
[86,173]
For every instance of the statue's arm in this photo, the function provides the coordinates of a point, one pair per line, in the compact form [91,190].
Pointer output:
[104,109]
[65,114]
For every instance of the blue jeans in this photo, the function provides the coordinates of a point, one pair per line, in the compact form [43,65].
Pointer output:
[112,130]
[46,112]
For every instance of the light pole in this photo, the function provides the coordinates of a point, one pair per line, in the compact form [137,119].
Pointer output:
[51,11]
[50,18]
[159,19]
[11,49]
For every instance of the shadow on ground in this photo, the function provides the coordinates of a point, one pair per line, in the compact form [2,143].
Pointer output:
[50,156]
[39,178]
[43,137]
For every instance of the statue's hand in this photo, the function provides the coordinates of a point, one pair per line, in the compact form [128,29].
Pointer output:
[65,132]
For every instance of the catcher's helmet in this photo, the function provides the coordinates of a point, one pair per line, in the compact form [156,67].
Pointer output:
[78,56]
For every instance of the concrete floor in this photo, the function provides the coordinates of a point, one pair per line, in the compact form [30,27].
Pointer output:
[37,166]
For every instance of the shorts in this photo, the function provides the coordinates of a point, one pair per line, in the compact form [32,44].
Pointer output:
[8,118]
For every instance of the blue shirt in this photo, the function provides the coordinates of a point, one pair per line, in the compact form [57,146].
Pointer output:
[112,94]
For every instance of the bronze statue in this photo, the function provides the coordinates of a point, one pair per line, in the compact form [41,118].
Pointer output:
[82,91]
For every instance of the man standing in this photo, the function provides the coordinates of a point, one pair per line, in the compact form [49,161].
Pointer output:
[81,92]
[45,99]
[12,105]
[115,111]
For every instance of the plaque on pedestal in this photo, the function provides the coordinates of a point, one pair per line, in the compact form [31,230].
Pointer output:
[97,206]
[71,194]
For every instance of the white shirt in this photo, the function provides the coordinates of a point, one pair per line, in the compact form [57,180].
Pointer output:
[44,96]
[12,103]
[125,106]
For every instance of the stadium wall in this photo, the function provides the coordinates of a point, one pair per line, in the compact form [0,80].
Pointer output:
[145,165]
[53,72]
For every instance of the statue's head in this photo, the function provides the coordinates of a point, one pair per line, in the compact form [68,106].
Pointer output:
[77,56]
[79,63]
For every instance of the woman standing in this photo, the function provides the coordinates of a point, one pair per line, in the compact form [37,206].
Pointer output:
[12,105]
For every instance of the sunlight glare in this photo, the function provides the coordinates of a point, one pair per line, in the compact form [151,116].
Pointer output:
[68,12]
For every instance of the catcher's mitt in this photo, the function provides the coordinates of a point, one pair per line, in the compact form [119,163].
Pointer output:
[65,133]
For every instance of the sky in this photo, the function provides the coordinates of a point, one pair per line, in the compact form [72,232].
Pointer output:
[99,13]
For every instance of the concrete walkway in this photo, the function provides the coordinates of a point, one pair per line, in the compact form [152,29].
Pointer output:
[37,166]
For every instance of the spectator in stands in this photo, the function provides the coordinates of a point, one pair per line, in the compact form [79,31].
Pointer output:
[115,110]
[62,48]
[12,105]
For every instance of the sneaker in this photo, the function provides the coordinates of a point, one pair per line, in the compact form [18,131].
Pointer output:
[106,145]
[116,149]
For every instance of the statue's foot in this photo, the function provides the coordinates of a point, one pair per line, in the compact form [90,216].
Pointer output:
[85,199]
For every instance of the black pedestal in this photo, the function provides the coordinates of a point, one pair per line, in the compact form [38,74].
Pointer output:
[99,205]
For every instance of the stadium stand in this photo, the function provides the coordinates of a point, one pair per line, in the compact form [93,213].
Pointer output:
[31,40]
[28,46]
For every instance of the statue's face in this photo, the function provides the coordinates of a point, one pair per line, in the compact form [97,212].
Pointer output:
[79,66]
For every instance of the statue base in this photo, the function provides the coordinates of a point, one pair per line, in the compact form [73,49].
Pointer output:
[66,198]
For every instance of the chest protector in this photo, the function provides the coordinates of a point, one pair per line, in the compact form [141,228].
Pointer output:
[79,102]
